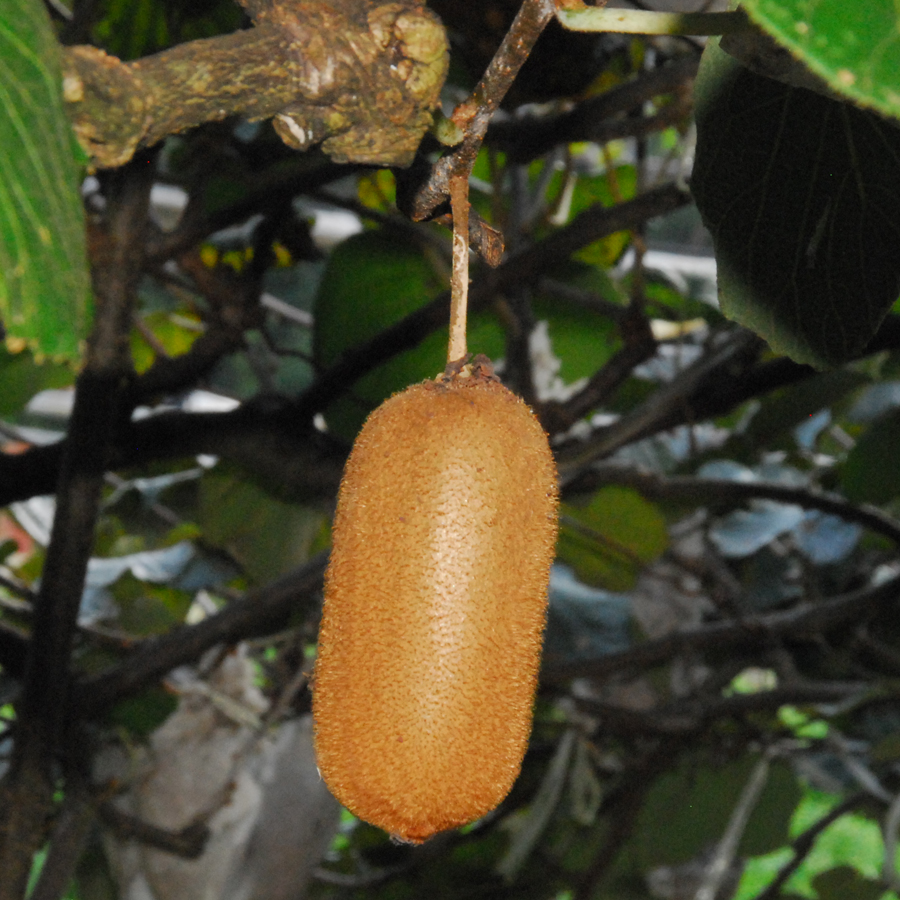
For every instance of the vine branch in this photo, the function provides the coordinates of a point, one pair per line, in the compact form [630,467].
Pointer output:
[359,78]
[473,115]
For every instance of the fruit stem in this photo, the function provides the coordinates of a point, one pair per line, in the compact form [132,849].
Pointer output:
[459,277]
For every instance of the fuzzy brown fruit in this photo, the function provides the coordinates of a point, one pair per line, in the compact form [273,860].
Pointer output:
[435,601]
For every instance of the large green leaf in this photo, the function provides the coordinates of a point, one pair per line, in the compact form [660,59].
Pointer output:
[688,810]
[854,46]
[611,539]
[802,195]
[266,535]
[372,280]
[45,299]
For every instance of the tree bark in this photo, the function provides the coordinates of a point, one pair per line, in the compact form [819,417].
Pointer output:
[359,78]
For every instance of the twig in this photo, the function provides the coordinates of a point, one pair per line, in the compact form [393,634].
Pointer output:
[67,842]
[737,824]
[293,175]
[665,408]
[20,589]
[558,417]
[636,21]
[760,630]
[587,299]
[686,717]
[258,612]
[459,279]
[891,827]
[724,492]
[187,843]
[599,119]
[474,114]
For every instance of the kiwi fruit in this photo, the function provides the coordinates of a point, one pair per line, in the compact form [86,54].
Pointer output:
[435,603]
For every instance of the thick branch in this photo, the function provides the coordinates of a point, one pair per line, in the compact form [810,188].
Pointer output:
[359,78]
[267,437]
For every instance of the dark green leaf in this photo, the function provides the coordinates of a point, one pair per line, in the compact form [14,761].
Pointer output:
[264,534]
[802,196]
[372,280]
[144,712]
[22,378]
[844,882]
[609,541]
[855,46]
[134,28]
[581,338]
[45,299]
[146,608]
[688,810]
[871,473]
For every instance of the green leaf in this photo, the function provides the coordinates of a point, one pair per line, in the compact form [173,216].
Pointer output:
[372,280]
[45,299]
[871,473]
[146,608]
[134,28]
[145,712]
[175,333]
[688,810]
[612,187]
[801,195]
[22,378]
[267,536]
[582,338]
[855,46]
[611,539]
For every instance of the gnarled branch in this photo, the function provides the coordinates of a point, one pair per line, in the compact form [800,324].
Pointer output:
[359,78]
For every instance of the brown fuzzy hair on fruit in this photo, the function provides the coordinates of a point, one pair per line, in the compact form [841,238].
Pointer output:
[435,601]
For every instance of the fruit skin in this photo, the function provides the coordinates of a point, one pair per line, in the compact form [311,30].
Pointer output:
[435,602]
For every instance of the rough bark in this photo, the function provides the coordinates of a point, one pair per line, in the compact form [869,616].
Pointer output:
[361,79]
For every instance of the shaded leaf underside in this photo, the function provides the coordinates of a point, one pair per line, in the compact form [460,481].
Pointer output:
[802,196]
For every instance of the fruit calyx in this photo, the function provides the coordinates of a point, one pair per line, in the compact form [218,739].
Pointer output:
[478,368]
